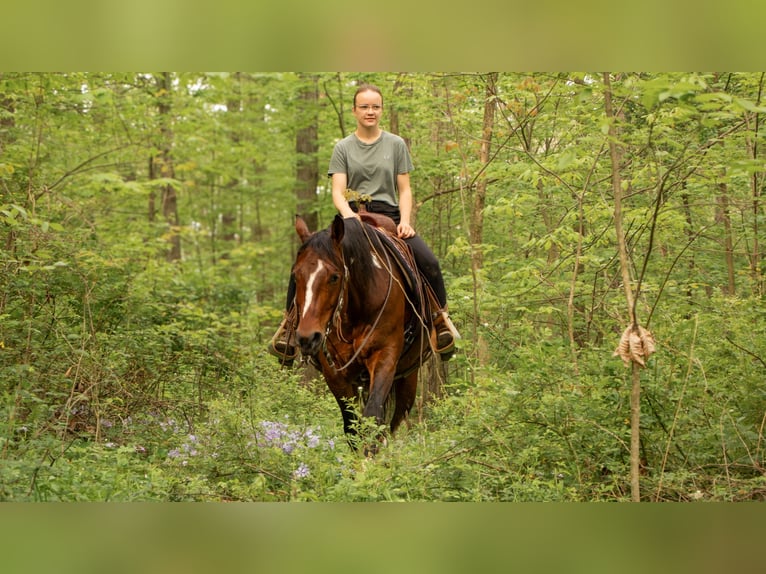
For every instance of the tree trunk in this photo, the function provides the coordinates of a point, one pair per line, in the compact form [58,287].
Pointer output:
[306,147]
[480,195]
[689,238]
[479,199]
[231,224]
[722,216]
[756,260]
[163,165]
[7,123]
[152,205]
[635,394]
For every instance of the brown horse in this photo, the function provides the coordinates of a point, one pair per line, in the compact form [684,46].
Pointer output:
[362,318]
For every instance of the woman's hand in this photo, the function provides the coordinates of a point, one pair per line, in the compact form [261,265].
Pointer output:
[405,230]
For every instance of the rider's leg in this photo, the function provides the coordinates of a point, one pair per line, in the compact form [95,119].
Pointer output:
[445,332]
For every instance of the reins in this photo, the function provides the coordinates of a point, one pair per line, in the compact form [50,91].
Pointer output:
[411,303]
[337,320]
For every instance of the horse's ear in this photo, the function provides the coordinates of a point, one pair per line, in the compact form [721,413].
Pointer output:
[302,229]
[338,229]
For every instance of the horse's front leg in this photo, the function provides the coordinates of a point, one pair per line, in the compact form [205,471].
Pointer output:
[347,400]
[382,368]
[406,391]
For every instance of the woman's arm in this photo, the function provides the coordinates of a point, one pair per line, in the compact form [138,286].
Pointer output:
[339,184]
[405,228]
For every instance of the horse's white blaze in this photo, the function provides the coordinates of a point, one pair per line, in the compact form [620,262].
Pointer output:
[310,286]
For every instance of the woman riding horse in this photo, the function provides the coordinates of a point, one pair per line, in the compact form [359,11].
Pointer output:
[376,163]
[360,318]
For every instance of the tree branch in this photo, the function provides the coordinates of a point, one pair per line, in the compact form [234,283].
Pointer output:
[79,168]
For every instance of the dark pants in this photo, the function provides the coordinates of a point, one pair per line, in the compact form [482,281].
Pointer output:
[424,257]
[429,267]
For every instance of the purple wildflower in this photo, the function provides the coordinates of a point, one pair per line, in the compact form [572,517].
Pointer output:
[312,439]
[302,471]
[279,435]
[273,432]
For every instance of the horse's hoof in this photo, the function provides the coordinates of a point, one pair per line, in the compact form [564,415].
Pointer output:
[371,450]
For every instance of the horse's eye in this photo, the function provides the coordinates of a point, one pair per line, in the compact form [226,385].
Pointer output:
[334,278]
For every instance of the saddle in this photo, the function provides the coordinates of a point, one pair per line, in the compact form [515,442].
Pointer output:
[401,252]
[422,297]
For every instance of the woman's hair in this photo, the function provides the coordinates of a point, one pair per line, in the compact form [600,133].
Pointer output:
[367,88]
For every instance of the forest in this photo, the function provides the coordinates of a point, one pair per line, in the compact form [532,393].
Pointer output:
[146,240]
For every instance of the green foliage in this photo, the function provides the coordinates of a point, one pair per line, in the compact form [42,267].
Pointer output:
[126,377]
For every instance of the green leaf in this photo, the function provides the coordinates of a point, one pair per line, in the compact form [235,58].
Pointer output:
[750,106]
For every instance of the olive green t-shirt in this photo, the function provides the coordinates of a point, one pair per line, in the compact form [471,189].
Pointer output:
[372,168]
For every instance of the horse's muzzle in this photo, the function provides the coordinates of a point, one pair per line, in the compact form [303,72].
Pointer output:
[310,343]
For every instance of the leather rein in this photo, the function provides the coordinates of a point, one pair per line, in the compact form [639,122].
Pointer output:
[336,320]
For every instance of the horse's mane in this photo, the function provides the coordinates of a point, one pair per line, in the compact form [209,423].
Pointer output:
[322,244]
[359,242]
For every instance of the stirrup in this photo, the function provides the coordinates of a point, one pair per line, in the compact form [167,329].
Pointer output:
[444,335]
[282,343]
[284,352]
